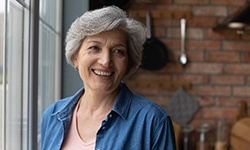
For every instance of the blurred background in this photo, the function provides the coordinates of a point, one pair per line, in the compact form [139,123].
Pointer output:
[199,73]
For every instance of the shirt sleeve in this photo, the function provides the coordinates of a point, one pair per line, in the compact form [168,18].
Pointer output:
[163,136]
[45,122]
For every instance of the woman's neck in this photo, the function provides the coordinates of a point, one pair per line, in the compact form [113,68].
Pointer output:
[96,104]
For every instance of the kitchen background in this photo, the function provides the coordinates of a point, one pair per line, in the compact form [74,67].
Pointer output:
[219,61]
[215,80]
[217,74]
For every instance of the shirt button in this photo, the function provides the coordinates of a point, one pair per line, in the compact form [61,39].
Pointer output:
[103,128]
[110,116]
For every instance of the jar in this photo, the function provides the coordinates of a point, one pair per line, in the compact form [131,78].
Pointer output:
[202,143]
[187,140]
[222,134]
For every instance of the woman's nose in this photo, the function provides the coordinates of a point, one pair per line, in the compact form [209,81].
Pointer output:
[106,59]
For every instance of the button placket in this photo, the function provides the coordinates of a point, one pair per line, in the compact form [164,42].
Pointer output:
[106,122]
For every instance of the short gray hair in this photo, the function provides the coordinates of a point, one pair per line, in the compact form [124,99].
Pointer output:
[105,19]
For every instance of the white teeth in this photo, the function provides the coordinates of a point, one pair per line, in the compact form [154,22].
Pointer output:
[101,73]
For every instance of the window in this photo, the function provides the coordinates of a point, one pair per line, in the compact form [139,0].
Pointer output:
[16,73]
[2,10]
[49,54]
[15,104]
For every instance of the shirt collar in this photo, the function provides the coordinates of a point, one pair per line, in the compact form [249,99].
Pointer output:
[66,109]
[123,101]
[121,106]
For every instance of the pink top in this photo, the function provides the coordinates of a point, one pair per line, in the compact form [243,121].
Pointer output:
[73,141]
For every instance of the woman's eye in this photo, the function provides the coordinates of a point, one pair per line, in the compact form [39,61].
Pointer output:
[120,52]
[93,47]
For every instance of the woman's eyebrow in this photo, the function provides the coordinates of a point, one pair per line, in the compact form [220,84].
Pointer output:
[93,41]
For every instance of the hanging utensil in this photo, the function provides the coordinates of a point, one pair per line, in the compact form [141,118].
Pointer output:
[155,55]
[183,57]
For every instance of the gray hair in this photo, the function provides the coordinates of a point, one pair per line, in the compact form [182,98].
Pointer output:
[105,19]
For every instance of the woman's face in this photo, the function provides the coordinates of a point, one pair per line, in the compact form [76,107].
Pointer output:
[102,60]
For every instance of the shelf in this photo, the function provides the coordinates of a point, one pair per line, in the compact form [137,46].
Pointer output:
[240,20]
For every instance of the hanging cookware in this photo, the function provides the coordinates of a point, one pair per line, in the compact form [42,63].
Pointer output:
[183,57]
[155,54]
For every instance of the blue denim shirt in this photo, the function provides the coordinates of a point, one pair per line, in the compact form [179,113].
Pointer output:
[134,123]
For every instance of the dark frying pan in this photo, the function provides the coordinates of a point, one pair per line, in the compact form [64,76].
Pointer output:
[155,54]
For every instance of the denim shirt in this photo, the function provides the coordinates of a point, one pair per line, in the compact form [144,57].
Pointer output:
[134,123]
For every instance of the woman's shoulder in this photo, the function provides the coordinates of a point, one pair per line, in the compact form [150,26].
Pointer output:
[64,104]
[139,103]
[147,104]
[57,106]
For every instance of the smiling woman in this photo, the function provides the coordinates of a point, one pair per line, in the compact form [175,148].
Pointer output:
[105,46]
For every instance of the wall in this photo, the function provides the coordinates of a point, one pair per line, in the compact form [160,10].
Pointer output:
[71,82]
[219,62]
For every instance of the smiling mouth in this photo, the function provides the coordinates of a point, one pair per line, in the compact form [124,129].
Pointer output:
[103,73]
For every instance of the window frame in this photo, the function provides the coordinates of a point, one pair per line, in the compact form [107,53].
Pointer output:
[29,138]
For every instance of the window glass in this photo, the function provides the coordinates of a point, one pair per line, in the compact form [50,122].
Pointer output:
[25,69]
[49,51]
[46,66]
[15,105]
[2,18]
[16,116]
[24,2]
[49,54]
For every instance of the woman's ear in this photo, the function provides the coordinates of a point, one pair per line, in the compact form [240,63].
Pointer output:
[75,62]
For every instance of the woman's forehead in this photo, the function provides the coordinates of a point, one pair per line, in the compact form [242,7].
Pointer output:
[116,35]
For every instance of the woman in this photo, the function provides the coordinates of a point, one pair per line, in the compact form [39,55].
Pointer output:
[105,46]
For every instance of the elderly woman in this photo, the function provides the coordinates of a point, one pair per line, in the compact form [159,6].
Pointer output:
[105,46]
